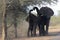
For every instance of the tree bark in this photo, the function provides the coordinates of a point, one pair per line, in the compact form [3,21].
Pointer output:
[4,24]
[15,25]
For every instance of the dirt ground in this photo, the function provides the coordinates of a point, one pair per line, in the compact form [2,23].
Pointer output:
[0,37]
[54,34]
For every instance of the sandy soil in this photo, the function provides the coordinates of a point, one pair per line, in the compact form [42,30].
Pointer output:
[54,34]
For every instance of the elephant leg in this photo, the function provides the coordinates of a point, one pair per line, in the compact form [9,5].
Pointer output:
[40,30]
[34,29]
[43,30]
[47,26]
[32,32]
[30,29]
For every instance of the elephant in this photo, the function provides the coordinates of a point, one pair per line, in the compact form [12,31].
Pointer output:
[44,16]
[32,23]
[44,19]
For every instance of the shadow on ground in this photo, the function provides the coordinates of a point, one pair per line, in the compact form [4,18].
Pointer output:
[54,33]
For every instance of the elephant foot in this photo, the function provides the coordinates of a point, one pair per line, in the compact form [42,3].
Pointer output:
[43,34]
[34,36]
[40,34]
[46,33]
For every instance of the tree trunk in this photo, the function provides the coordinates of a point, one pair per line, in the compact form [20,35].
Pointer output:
[4,24]
[15,11]
[4,27]
[15,26]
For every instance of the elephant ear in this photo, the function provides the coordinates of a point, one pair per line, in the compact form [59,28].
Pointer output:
[49,12]
[46,11]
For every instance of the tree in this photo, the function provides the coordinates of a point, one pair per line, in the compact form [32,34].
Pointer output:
[4,24]
[14,7]
[31,2]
